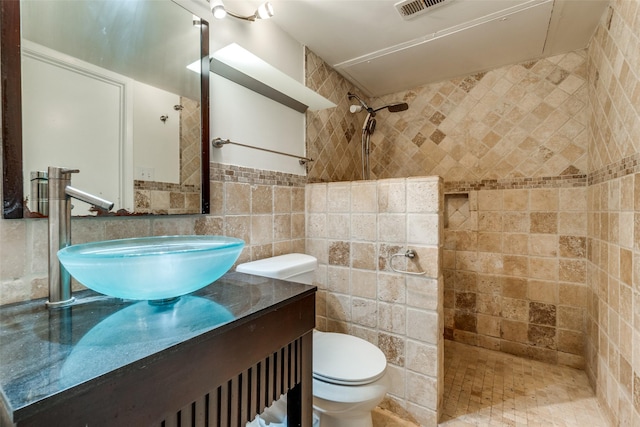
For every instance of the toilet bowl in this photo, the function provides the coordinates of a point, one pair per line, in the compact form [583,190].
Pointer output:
[349,374]
[349,379]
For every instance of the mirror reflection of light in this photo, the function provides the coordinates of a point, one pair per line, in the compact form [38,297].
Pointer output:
[194,66]
[235,56]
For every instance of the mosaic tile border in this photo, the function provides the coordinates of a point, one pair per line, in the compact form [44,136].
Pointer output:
[619,169]
[626,166]
[165,186]
[516,183]
[232,173]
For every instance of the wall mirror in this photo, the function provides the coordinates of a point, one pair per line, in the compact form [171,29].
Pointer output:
[117,89]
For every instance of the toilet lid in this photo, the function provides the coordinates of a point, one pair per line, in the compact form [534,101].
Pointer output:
[345,359]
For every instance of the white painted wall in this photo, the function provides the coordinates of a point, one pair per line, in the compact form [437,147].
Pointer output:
[76,115]
[246,117]
[81,116]
[243,116]
[157,144]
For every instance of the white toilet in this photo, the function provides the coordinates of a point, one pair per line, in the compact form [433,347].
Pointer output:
[349,374]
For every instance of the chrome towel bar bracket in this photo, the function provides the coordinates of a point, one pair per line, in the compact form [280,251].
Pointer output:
[410,253]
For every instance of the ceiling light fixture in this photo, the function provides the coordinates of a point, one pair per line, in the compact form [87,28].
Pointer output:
[264,11]
[218,10]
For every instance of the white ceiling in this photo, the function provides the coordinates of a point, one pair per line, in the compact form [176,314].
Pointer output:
[369,43]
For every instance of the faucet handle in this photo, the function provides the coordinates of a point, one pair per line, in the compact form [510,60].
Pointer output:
[56,172]
[65,170]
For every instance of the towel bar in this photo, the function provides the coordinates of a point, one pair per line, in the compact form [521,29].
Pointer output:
[219,143]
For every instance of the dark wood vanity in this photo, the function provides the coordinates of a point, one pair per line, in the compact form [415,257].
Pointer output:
[220,375]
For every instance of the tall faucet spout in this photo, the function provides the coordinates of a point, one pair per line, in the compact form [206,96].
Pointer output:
[60,193]
[88,198]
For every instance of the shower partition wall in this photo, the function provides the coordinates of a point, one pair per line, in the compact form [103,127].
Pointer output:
[360,294]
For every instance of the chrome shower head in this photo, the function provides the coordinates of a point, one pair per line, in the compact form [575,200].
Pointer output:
[395,108]
[400,106]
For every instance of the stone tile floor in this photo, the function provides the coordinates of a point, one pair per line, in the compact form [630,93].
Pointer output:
[489,388]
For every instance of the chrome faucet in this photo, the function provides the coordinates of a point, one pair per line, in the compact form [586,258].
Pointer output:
[60,194]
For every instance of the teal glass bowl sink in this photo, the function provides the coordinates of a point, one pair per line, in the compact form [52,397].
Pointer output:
[151,268]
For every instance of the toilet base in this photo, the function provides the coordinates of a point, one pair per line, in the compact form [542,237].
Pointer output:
[362,419]
[348,406]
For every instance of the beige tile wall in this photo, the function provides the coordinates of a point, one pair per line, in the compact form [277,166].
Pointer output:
[268,216]
[352,228]
[514,268]
[521,121]
[190,142]
[513,143]
[613,270]
[332,135]
[613,342]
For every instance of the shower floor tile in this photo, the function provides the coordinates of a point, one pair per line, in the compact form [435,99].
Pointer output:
[489,388]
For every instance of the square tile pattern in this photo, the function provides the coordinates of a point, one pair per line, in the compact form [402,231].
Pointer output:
[489,388]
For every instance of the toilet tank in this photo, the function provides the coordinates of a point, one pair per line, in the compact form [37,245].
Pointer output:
[297,268]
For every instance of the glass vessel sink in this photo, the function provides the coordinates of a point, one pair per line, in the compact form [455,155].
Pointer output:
[151,268]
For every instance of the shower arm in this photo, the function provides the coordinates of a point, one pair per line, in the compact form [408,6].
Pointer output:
[393,108]
[362,103]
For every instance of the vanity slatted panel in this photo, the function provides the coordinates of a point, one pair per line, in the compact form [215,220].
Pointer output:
[236,402]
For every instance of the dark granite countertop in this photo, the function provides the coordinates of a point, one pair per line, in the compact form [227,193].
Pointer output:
[49,355]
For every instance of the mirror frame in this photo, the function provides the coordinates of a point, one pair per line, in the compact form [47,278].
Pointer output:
[11,81]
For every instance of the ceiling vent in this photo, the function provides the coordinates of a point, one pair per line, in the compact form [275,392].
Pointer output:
[409,9]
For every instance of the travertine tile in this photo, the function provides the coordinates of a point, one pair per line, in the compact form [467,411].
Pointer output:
[488,388]
[393,346]
[316,198]
[282,227]
[422,195]
[339,198]
[544,222]
[392,227]
[543,291]
[391,318]
[422,292]
[392,196]
[281,199]
[237,198]
[422,390]
[365,312]
[364,226]
[422,325]
[445,119]
[261,229]
[339,253]
[364,197]
[209,225]
[363,255]
[363,284]
[160,200]
[338,226]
